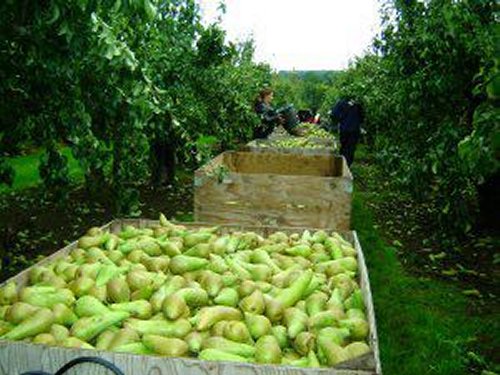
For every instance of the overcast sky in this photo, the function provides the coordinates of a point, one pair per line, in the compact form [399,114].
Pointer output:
[300,34]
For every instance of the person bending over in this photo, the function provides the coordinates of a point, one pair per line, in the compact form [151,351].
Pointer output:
[271,118]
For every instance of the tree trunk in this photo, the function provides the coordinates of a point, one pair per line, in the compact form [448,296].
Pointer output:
[489,202]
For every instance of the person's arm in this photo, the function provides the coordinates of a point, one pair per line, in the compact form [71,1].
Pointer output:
[268,120]
[266,113]
[289,120]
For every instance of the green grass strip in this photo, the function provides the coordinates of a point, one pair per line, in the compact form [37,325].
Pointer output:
[27,174]
[422,324]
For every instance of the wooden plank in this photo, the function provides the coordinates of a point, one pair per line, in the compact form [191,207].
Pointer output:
[364,281]
[276,200]
[346,171]
[18,357]
[282,164]
[275,189]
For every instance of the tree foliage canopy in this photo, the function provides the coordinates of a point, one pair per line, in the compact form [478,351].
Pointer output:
[430,89]
[110,78]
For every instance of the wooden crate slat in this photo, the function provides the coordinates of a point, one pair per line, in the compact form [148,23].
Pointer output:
[274,189]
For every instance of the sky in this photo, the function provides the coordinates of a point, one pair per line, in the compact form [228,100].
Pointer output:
[300,34]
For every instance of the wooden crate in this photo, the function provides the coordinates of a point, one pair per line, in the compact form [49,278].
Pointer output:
[320,141]
[19,357]
[265,145]
[274,189]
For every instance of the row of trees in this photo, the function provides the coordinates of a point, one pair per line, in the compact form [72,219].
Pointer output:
[430,88]
[304,89]
[117,80]
[431,93]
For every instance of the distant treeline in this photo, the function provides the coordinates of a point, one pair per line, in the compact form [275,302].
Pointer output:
[304,88]
[305,74]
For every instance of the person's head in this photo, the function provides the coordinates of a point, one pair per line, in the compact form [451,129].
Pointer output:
[266,96]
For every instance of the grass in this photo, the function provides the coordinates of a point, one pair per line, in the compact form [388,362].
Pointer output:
[27,174]
[423,324]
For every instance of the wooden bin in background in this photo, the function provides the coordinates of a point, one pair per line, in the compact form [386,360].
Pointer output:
[274,189]
[17,357]
[265,145]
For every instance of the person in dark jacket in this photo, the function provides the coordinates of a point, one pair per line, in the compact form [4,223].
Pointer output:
[349,115]
[271,118]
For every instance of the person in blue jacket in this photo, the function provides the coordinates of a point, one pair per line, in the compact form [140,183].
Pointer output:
[271,118]
[349,115]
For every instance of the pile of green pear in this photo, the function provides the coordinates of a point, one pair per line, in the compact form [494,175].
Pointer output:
[314,131]
[291,142]
[207,293]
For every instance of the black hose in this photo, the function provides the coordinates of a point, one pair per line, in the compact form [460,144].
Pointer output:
[97,360]
[100,361]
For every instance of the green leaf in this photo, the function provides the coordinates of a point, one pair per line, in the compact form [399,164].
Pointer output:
[150,10]
[55,13]
[472,292]
[449,272]
[438,256]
